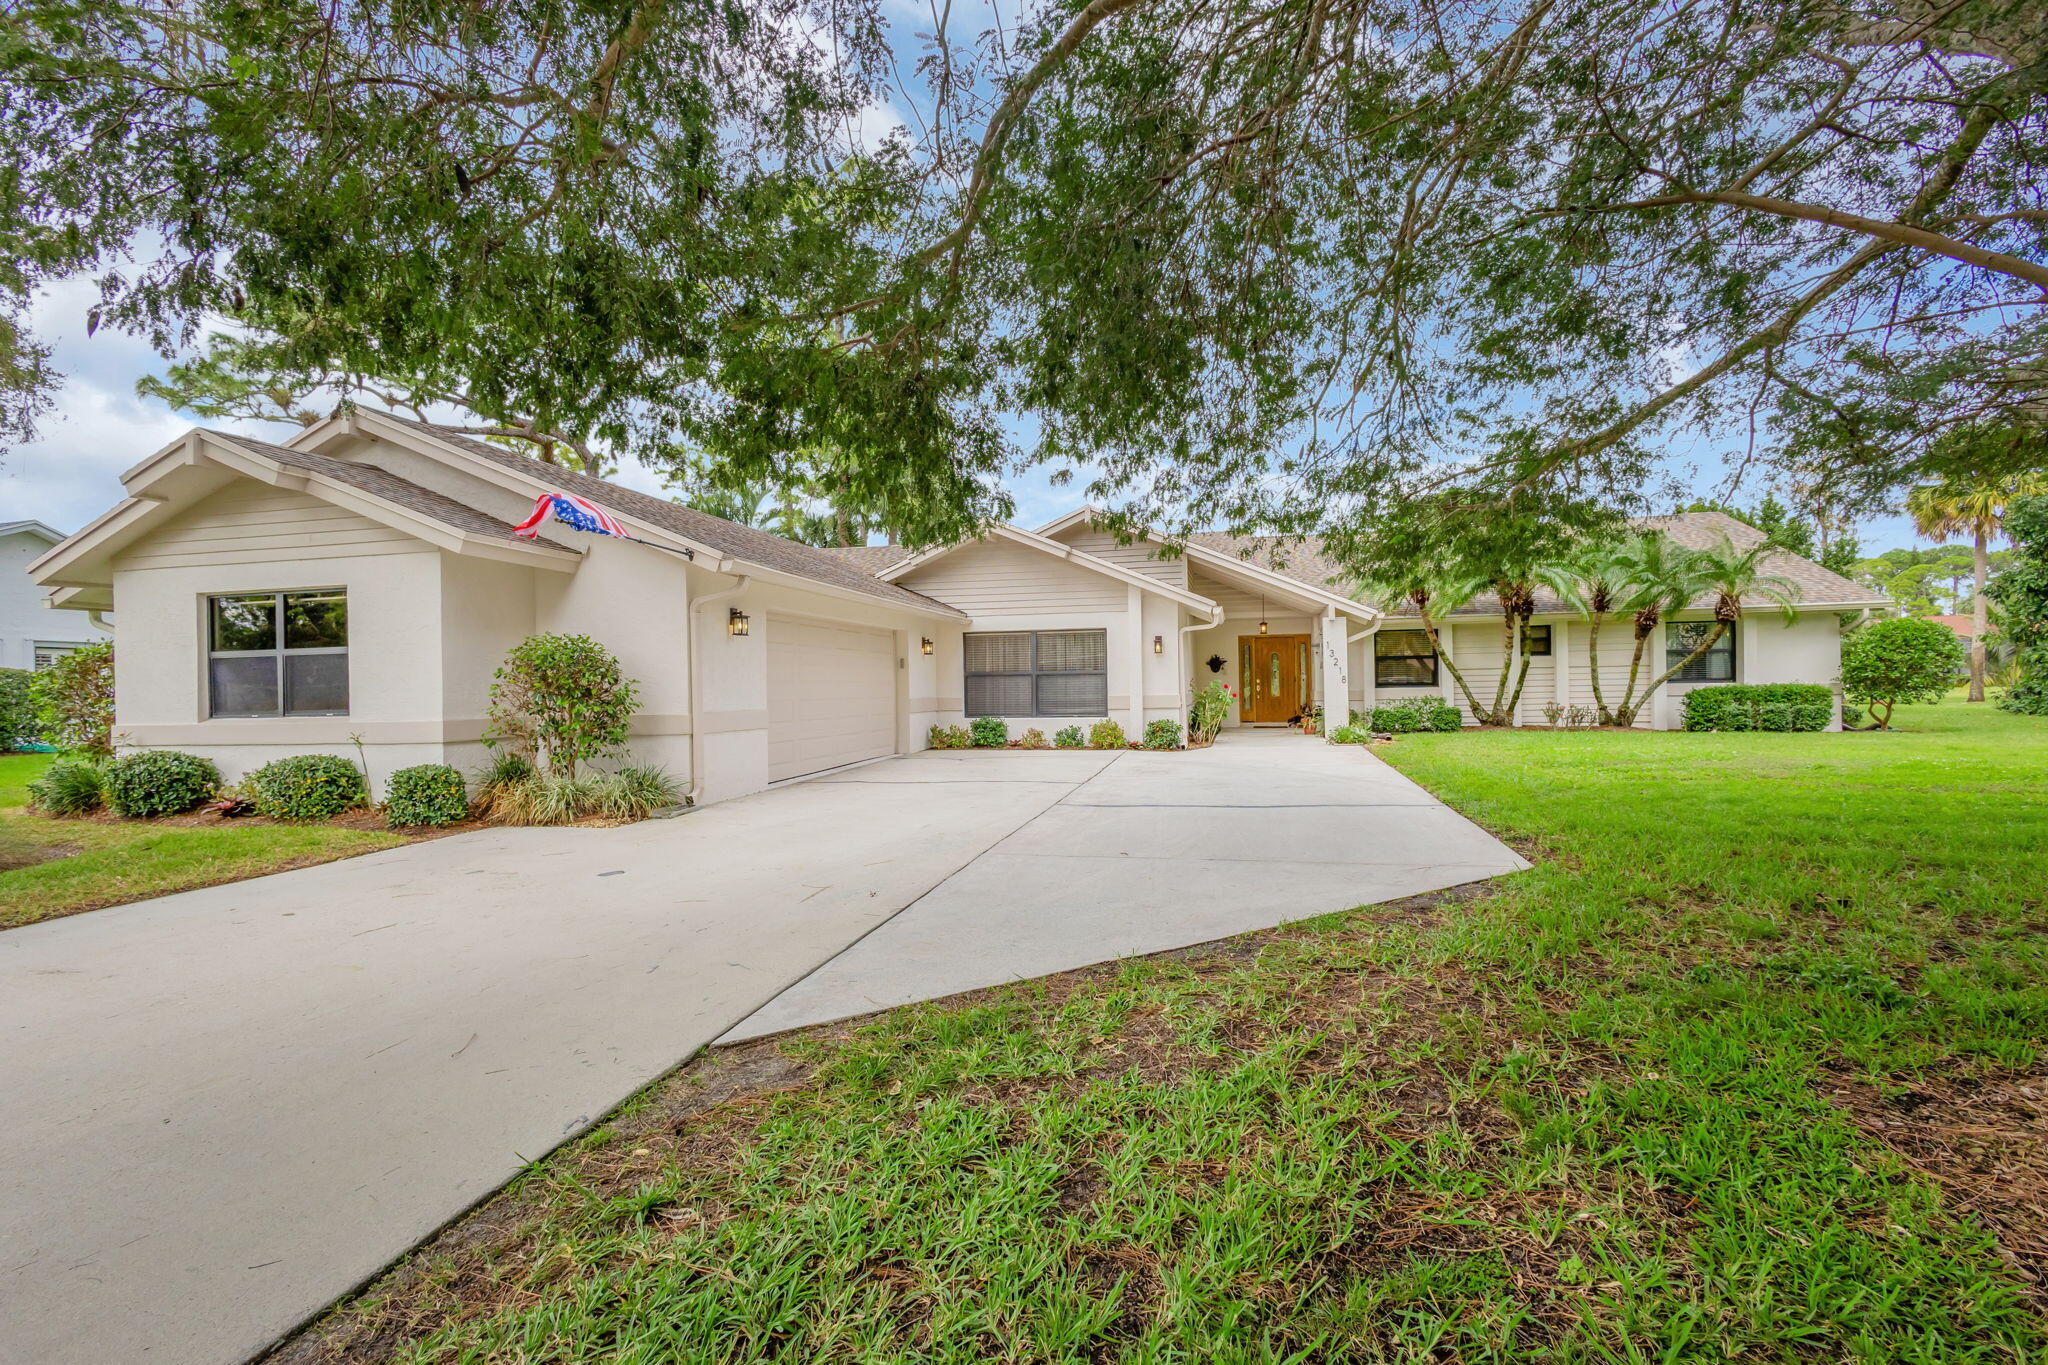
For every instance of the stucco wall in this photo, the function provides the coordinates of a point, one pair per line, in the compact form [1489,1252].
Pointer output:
[396,660]
[24,619]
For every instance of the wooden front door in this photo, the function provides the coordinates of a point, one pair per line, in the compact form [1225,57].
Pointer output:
[1273,677]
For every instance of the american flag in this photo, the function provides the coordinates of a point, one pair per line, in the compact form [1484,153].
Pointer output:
[573,511]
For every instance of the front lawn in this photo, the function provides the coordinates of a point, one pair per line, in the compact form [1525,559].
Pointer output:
[1748,1068]
[74,865]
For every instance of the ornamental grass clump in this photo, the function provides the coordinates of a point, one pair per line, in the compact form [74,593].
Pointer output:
[159,782]
[305,787]
[425,795]
[68,787]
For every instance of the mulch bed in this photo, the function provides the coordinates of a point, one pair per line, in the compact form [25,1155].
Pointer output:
[1982,1138]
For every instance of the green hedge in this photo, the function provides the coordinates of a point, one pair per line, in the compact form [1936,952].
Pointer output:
[1408,717]
[1760,706]
[18,721]
[305,787]
[428,794]
[989,732]
[159,782]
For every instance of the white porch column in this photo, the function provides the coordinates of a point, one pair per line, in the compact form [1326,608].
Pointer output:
[1134,728]
[1333,645]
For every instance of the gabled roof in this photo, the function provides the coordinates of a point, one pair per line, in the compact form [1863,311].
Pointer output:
[1046,545]
[743,543]
[389,487]
[33,528]
[1303,559]
[1288,562]
[202,461]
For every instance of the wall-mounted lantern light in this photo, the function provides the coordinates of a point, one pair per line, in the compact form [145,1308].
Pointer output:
[735,622]
[1262,615]
[924,646]
[1159,644]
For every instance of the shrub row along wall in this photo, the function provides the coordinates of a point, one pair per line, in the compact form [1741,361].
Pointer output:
[1760,706]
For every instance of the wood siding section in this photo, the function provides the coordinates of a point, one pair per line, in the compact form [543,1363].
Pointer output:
[249,522]
[1235,601]
[1000,578]
[1617,643]
[1136,557]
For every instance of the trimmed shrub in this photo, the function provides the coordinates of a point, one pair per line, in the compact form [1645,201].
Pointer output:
[18,723]
[560,700]
[305,787]
[159,782]
[1107,734]
[74,700]
[1742,707]
[949,737]
[68,787]
[1067,737]
[1034,738]
[1416,715]
[2021,592]
[428,794]
[1351,734]
[989,732]
[1162,734]
[1901,660]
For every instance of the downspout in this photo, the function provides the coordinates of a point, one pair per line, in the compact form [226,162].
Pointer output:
[697,605]
[99,618]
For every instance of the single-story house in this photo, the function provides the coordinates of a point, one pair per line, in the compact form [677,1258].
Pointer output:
[32,634]
[362,582]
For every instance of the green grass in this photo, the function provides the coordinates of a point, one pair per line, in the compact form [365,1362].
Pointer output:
[106,863]
[1600,1114]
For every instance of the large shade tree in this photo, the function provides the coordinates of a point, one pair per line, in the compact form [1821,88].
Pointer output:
[1247,259]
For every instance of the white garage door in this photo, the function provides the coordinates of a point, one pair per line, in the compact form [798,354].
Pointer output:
[831,696]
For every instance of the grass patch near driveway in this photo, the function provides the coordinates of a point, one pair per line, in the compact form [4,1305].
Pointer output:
[1728,1076]
[62,866]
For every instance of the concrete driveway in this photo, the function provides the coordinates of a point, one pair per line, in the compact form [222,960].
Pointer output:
[228,1107]
[1143,852]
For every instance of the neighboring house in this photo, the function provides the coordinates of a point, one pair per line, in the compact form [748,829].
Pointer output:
[32,633]
[362,581]
[1965,627]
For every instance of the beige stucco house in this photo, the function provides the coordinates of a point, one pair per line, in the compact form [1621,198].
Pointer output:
[362,582]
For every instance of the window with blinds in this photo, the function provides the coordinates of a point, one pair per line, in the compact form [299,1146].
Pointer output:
[1037,673]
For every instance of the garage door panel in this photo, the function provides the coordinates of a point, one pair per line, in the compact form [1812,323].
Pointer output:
[831,696]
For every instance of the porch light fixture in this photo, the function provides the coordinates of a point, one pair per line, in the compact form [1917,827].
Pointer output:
[1159,644]
[924,646]
[735,622]
[1262,614]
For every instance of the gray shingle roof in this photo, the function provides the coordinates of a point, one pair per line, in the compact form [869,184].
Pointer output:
[382,483]
[741,542]
[867,558]
[1304,559]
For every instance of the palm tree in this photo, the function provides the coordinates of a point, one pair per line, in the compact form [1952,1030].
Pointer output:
[1656,575]
[1728,575]
[1976,505]
[1597,581]
[1432,597]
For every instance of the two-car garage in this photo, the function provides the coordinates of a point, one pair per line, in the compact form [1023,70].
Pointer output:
[831,695]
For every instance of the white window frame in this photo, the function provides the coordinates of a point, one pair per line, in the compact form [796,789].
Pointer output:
[277,653]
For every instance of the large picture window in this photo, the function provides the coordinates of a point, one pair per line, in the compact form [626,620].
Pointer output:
[1403,658]
[278,654]
[1038,673]
[1716,665]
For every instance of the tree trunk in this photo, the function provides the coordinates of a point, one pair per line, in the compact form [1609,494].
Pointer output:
[1980,617]
[1720,629]
[1457,676]
[1593,664]
[1625,713]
